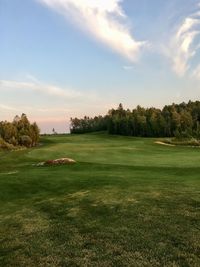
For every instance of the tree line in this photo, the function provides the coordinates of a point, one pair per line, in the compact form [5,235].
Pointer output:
[179,120]
[19,132]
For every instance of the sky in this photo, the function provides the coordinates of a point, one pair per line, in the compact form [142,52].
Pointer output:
[69,58]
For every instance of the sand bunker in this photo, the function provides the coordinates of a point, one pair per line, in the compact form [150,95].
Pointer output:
[162,143]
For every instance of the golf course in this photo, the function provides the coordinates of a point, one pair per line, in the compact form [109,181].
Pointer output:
[127,201]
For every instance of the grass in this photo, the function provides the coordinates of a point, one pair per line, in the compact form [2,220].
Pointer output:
[127,202]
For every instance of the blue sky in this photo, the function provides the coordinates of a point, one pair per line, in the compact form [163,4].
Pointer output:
[67,58]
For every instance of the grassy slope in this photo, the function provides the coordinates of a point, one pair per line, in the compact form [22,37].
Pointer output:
[127,202]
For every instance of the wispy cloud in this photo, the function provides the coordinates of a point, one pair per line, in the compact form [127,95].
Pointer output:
[196,73]
[48,89]
[36,109]
[8,108]
[182,45]
[128,67]
[103,19]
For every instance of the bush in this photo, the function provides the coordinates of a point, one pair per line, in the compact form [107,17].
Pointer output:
[5,145]
[13,141]
[25,140]
[19,132]
[182,141]
[177,134]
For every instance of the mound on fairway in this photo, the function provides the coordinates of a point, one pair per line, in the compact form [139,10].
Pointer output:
[53,162]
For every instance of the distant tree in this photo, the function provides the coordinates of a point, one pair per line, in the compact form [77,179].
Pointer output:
[173,120]
[54,131]
[20,131]
[34,134]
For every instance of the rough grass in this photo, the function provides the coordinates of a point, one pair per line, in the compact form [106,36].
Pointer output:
[126,202]
[182,142]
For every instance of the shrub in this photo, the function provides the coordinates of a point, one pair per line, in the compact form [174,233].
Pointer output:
[19,132]
[182,141]
[13,141]
[5,145]
[25,140]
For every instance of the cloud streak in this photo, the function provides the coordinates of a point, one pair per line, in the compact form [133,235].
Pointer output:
[103,19]
[196,73]
[127,68]
[6,107]
[48,89]
[183,46]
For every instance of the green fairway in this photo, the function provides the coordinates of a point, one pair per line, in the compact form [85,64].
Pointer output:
[126,202]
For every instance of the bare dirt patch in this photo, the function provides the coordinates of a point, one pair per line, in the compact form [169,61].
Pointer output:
[61,161]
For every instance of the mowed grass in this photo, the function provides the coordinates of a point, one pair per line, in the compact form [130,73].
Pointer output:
[126,202]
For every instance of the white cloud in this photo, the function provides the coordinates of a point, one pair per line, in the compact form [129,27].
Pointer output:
[103,20]
[183,46]
[40,87]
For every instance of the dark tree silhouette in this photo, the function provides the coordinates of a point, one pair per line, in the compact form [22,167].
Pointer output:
[173,120]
